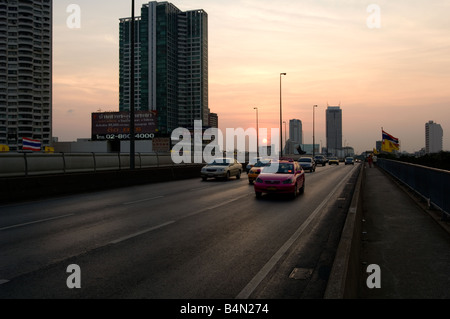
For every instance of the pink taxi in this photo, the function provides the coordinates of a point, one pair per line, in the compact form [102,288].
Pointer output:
[283,177]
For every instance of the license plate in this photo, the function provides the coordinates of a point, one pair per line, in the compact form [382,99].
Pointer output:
[272,189]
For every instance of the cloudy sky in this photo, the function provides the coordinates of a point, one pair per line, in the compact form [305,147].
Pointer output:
[386,63]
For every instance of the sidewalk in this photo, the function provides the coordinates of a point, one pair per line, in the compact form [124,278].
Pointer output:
[411,248]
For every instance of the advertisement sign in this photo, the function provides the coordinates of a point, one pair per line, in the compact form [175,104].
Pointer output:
[116,126]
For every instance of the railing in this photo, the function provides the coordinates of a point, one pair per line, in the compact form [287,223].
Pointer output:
[32,164]
[430,183]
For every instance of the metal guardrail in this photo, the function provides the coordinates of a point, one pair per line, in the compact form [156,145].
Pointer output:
[430,183]
[32,164]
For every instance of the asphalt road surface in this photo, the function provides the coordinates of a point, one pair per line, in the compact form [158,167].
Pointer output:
[177,240]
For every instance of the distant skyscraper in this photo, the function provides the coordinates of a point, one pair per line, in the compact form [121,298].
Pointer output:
[296,131]
[334,129]
[25,72]
[214,120]
[433,137]
[171,65]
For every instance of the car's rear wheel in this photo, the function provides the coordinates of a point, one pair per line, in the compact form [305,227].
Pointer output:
[295,193]
[302,190]
[238,176]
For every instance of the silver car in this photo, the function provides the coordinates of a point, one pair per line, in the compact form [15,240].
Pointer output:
[223,168]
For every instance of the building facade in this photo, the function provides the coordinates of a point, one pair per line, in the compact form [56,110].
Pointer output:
[213,120]
[296,131]
[125,64]
[172,65]
[334,130]
[434,138]
[25,72]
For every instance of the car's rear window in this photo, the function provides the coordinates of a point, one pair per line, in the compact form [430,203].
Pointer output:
[280,168]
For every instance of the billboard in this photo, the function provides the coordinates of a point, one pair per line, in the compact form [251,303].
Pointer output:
[116,126]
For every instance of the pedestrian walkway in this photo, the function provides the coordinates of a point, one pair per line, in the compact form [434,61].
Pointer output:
[404,240]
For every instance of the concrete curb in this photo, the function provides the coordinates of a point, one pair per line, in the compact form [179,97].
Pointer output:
[344,279]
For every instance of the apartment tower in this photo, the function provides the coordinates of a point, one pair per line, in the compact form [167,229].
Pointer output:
[296,131]
[334,129]
[171,65]
[434,138]
[25,72]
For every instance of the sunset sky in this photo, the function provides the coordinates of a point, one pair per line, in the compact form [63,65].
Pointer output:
[392,72]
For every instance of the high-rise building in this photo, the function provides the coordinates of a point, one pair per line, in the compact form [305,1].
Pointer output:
[171,65]
[334,129]
[434,138]
[213,120]
[296,131]
[25,72]
[125,64]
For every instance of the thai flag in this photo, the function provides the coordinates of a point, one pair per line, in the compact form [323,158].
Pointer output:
[389,137]
[31,145]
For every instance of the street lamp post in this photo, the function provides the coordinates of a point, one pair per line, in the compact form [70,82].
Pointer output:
[132,129]
[314,128]
[281,120]
[257,132]
[285,134]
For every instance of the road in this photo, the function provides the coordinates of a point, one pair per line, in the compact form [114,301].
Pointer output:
[177,240]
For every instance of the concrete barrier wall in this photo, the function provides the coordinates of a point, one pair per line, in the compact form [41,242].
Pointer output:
[16,189]
[344,280]
[12,165]
[31,164]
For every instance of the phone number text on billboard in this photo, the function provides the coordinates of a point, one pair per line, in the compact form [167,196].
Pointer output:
[126,137]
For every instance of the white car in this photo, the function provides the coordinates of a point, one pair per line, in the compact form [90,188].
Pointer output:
[224,168]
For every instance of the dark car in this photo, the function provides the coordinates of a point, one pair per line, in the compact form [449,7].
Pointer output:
[349,161]
[307,163]
[320,160]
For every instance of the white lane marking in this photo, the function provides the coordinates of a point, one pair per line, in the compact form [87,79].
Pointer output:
[143,200]
[35,222]
[251,286]
[141,233]
[3,281]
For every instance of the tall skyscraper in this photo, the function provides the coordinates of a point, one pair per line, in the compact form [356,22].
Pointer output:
[434,138]
[25,72]
[296,131]
[125,64]
[171,65]
[334,129]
